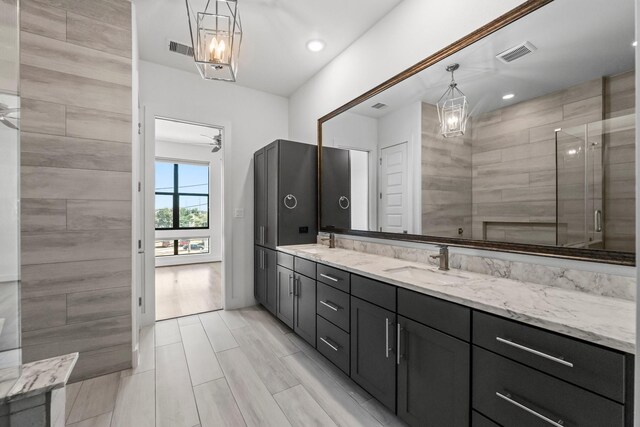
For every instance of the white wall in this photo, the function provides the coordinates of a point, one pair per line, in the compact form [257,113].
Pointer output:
[405,125]
[251,119]
[409,33]
[200,154]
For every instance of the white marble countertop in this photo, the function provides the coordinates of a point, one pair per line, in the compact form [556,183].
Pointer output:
[601,320]
[41,377]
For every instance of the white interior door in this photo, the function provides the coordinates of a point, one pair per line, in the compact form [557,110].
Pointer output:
[394,189]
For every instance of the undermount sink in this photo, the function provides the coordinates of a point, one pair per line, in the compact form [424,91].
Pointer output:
[427,274]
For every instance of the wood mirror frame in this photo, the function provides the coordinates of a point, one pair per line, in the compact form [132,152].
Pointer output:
[593,255]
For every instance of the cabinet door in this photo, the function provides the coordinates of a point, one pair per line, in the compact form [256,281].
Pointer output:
[271,279]
[433,377]
[305,308]
[271,190]
[260,197]
[336,188]
[284,305]
[259,276]
[373,358]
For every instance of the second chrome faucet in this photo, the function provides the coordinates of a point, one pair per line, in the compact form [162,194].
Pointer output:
[443,257]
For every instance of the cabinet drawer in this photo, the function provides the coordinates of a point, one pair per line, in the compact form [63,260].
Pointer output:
[516,395]
[373,291]
[285,260]
[333,343]
[594,368]
[333,305]
[333,277]
[450,318]
[479,420]
[304,266]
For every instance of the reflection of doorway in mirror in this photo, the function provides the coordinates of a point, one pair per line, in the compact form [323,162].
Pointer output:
[393,198]
[359,166]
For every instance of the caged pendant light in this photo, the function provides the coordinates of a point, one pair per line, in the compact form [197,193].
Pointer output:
[216,34]
[452,108]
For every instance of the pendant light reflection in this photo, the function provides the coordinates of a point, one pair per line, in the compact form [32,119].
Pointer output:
[452,108]
[216,35]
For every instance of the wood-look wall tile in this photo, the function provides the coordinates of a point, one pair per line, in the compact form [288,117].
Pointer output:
[98,35]
[44,20]
[56,183]
[115,12]
[43,312]
[96,124]
[62,278]
[44,248]
[55,55]
[43,215]
[582,107]
[63,88]
[94,305]
[42,117]
[98,215]
[74,153]
[82,337]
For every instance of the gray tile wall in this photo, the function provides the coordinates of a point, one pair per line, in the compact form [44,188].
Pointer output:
[76,182]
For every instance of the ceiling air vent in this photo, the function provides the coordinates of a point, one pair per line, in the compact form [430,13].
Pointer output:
[516,52]
[379,106]
[180,48]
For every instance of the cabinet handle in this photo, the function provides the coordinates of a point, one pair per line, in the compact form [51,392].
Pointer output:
[262,234]
[386,337]
[398,331]
[330,305]
[296,287]
[333,347]
[536,352]
[329,277]
[508,398]
[290,287]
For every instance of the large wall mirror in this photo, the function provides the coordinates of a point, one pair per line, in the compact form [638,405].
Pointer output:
[519,137]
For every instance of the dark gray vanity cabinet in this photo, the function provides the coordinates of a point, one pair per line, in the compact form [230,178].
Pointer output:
[305,308]
[373,350]
[433,377]
[285,199]
[265,277]
[336,188]
[284,296]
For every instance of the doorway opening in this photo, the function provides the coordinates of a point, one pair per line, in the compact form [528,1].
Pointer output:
[188,218]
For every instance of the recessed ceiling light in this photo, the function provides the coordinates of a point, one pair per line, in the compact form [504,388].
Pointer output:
[315,45]
[508,96]
[634,44]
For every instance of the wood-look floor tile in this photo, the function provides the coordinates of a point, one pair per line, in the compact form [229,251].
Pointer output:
[268,366]
[201,359]
[382,414]
[167,332]
[336,402]
[233,319]
[103,420]
[72,391]
[135,405]
[269,330]
[301,409]
[217,406]
[353,389]
[188,320]
[175,402]
[219,335]
[254,400]
[97,396]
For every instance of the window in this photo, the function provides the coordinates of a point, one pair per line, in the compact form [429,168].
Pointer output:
[170,247]
[182,196]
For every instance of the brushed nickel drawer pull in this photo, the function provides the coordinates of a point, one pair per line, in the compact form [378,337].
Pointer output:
[508,398]
[331,306]
[398,332]
[536,352]
[333,347]
[329,277]
[386,337]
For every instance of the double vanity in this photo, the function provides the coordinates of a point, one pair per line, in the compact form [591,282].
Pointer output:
[456,348]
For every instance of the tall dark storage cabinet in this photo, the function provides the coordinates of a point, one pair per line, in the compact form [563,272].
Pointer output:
[285,201]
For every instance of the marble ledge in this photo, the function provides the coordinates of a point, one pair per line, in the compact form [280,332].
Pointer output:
[41,377]
[605,321]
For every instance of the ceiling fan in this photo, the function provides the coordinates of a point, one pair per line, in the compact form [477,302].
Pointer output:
[215,144]
[5,116]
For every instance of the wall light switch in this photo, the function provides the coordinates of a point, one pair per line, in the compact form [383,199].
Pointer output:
[238,213]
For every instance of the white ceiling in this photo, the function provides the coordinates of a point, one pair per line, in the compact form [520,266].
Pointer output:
[577,40]
[273,56]
[184,133]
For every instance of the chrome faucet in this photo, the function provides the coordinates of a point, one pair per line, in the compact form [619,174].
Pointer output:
[331,239]
[443,256]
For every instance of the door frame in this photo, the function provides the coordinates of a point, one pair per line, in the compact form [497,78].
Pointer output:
[145,264]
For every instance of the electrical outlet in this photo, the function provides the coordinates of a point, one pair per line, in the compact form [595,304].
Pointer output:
[238,213]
